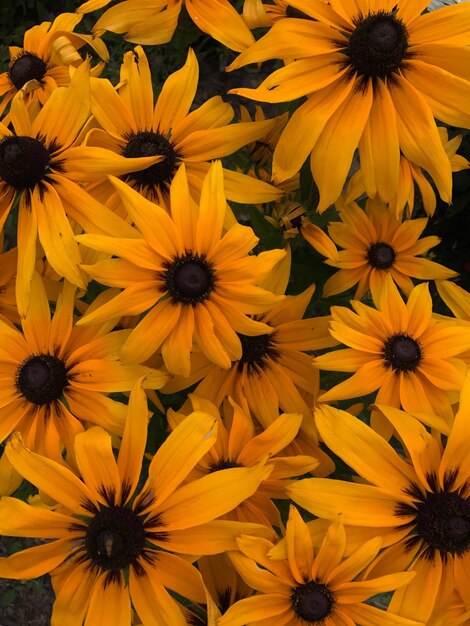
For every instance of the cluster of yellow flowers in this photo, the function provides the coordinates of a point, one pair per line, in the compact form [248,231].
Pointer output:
[141,293]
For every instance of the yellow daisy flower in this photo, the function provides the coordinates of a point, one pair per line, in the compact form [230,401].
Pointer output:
[41,164]
[421,498]
[55,376]
[43,62]
[376,244]
[153,22]
[198,285]
[238,445]
[275,371]
[376,74]
[398,349]
[133,126]
[298,585]
[113,545]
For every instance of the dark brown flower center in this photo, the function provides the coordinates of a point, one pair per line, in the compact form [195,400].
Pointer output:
[115,537]
[255,351]
[189,279]
[402,353]
[378,45]
[443,522]
[42,379]
[313,602]
[26,67]
[23,161]
[381,255]
[146,144]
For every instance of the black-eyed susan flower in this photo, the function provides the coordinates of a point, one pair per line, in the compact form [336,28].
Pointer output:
[410,177]
[197,284]
[41,164]
[419,497]
[275,371]
[375,243]
[113,545]
[399,350]
[43,62]
[238,445]
[298,585]
[154,22]
[376,74]
[134,126]
[56,377]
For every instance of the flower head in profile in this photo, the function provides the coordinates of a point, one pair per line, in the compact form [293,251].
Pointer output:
[197,283]
[115,545]
[56,377]
[400,350]
[419,498]
[375,75]
[133,125]
[299,585]
[43,62]
[375,244]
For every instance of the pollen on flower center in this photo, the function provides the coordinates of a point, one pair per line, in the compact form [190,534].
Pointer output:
[115,537]
[41,379]
[312,602]
[381,255]
[255,350]
[146,144]
[402,353]
[377,46]
[189,279]
[26,67]
[23,161]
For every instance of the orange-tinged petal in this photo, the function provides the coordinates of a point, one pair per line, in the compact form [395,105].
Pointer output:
[72,594]
[363,450]
[151,332]
[58,482]
[359,505]
[136,87]
[299,547]
[18,519]
[205,336]
[305,127]
[256,608]
[368,378]
[272,440]
[212,207]
[222,22]
[176,348]
[26,236]
[331,552]
[97,465]
[332,154]
[180,452]
[109,600]
[177,574]
[154,605]
[417,599]
[209,497]
[36,561]
[36,323]
[176,96]
[109,109]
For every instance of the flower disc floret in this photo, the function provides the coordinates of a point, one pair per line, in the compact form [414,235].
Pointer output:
[146,144]
[115,538]
[312,602]
[402,353]
[377,46]
[381,255]
[42,379]
[26,67]
[23,161]
[189,279]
